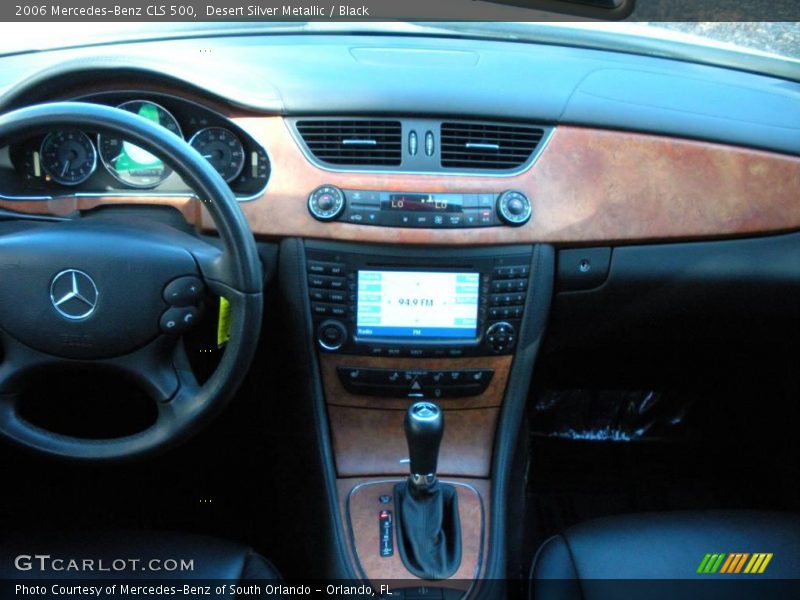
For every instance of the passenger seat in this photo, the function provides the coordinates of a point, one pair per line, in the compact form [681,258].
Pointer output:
[666,546]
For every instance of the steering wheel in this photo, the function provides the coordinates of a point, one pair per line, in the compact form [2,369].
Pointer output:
[114,294]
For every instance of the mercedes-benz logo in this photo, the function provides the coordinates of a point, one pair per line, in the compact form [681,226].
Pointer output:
[74,294]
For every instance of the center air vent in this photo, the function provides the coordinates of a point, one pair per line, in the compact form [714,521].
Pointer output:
[353,142]
[468,145]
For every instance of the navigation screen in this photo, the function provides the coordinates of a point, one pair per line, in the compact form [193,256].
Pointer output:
[417,304]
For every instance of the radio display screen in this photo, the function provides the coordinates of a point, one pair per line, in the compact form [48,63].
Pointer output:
[417,305]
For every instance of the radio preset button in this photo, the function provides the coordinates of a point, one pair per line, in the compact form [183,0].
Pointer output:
[519,271]
[509,285]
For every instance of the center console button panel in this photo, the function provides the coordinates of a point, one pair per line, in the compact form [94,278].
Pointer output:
[332,277]
[415,383]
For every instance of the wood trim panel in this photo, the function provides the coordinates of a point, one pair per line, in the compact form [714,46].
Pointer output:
[369,442]
[190,208]
[587,186]
[361,524]
[336,395]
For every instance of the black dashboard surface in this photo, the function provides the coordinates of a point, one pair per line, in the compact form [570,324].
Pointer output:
[390,74]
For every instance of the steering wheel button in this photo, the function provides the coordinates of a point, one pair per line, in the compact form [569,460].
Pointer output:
[179,320]
[183,291]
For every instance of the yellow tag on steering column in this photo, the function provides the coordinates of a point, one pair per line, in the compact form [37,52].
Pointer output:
[224,322]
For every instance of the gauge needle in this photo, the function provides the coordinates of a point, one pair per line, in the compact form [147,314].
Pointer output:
[65,169]
[208,156]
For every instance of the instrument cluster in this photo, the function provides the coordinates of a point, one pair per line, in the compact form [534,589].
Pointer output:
[70,161]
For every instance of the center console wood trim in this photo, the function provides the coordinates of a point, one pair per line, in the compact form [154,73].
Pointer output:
[370,442]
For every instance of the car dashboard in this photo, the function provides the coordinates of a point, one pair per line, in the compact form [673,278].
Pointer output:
[522,186]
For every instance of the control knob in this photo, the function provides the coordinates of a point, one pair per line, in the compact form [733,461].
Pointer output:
[331,335]
[326,203]
[501,337]
[514,208]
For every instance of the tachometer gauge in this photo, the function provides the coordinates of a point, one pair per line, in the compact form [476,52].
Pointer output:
[129,163]
[222,149]
[68,156]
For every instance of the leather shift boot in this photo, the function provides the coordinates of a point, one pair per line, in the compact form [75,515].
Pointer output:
[429,530]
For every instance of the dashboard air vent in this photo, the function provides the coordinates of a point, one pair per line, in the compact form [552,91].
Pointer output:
[353,142]
[468,145]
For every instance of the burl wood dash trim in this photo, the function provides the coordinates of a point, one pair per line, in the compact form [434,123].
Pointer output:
[369,442]
[335,393]
[359,508]
[587,186]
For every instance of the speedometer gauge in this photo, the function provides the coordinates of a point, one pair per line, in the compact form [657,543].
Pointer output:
[129,163]
[68,156]
[222,149]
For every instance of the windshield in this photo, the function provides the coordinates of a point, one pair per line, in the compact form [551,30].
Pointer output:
[778,39]
[782,39]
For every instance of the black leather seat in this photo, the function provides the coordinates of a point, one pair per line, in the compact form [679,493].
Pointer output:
[662,546]
[211,558]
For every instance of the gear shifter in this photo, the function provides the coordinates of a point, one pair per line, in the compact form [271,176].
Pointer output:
[424,427]
[429,530]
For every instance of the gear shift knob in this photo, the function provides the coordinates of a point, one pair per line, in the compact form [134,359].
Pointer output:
[424,427]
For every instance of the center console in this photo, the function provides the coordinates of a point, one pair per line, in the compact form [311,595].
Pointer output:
[395,326]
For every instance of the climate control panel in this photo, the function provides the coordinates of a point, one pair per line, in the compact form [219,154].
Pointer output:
[419,210]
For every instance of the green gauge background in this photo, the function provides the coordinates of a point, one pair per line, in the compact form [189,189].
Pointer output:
[130,164]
